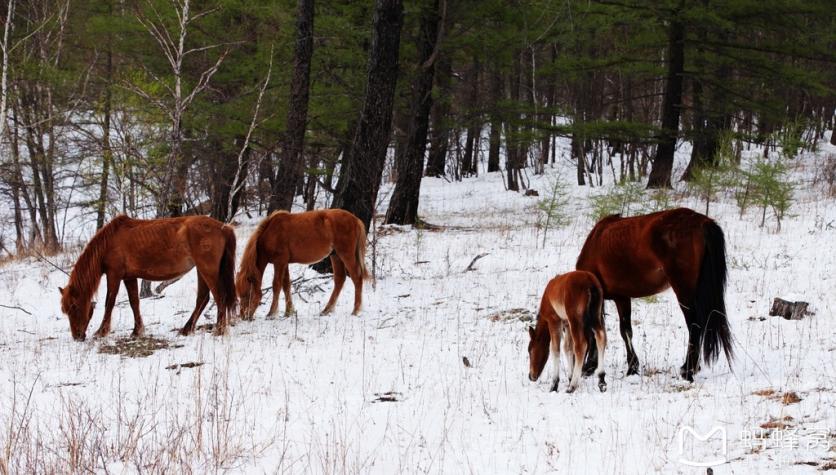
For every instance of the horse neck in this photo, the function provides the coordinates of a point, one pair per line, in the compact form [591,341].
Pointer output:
[87,272]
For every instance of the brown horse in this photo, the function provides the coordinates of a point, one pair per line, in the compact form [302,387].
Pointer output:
[159,249]
[572,304]
[305,238]
[644,255]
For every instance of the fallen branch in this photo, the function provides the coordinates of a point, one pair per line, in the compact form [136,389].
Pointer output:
[16,308]
[470,266]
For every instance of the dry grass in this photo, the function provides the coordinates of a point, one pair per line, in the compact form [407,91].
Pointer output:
[513,315]
[137,347]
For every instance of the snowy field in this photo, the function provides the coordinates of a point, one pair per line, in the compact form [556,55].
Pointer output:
[389,392]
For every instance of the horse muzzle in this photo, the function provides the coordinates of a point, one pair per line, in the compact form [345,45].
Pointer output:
[532,377]
[79,337]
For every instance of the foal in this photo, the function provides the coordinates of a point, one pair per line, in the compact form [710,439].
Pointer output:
[572,303]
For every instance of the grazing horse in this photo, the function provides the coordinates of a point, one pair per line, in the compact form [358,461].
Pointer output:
[158,249]
[304,238]
[572,304]
[644,255]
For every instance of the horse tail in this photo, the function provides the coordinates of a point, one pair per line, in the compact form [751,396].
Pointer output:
[226,272]
[360,249]
[593,318]
[709,302]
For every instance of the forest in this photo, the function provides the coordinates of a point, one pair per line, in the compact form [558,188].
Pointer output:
[158,108]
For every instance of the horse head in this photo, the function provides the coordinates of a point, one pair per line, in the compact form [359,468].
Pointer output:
[249,295]
[538,353]
[78,310]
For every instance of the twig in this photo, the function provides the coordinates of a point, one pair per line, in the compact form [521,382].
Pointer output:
[41,257]
[16,308]
[470,266]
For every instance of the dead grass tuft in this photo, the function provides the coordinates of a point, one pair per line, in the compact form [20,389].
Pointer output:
[137,347]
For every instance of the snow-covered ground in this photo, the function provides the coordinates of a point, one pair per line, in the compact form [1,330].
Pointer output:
[388,392]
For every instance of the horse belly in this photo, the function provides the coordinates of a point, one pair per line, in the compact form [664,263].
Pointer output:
[633,277]
[309,251]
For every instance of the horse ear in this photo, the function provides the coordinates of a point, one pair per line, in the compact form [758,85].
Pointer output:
[531,332]
[61,290]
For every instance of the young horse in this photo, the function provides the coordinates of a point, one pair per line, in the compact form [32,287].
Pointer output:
[572,304]
[159,249]
[305,238]
[644,255]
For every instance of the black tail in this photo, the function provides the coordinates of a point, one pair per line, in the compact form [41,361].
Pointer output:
[592,318]
[710,305]
[226,273]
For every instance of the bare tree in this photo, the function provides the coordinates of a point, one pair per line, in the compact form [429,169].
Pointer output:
[172,43]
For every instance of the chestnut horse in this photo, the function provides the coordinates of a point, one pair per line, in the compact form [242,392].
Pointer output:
[128,249]
[304,238]
[571,305]
[644,255]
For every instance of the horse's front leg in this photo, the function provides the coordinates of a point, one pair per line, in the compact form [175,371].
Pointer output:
[622,304]
[110,301]
[279,272]
[133,297]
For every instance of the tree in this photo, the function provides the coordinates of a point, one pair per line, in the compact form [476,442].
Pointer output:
[363,163]
[291,164]
[660,173]
[403,207]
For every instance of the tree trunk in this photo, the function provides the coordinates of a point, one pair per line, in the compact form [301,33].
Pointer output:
[403,207]
[439,131]
[107,151]
[660,173]
[495,137]
[292,162]
[363,164]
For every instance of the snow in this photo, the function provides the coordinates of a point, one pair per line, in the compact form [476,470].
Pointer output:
[304,394]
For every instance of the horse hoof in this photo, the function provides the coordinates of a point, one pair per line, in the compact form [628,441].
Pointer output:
[554,388]
[571,389]
[101,334]
[220,331]
[632,370]
[602,387]
[138,333]
[185,332]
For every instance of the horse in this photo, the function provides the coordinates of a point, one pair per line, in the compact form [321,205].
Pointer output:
[127,249]
[305,238]
[643,255]
[572,305]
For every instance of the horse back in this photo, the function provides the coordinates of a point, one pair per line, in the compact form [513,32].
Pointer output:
[633,256]
[568,294]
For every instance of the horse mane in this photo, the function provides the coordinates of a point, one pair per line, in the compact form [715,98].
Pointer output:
[87,271]
[249,260]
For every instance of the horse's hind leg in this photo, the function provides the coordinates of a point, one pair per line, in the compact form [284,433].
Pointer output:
[133,297]
[623,306]
[579,346]
[200,305]
[110,301]
[279,274]
[692,354]
[339,280]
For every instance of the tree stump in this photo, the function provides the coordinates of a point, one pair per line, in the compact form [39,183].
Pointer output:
[788,310]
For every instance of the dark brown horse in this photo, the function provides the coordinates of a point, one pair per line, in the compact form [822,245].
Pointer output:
[305,238]
[159,249]
[571,306]
[644,255]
